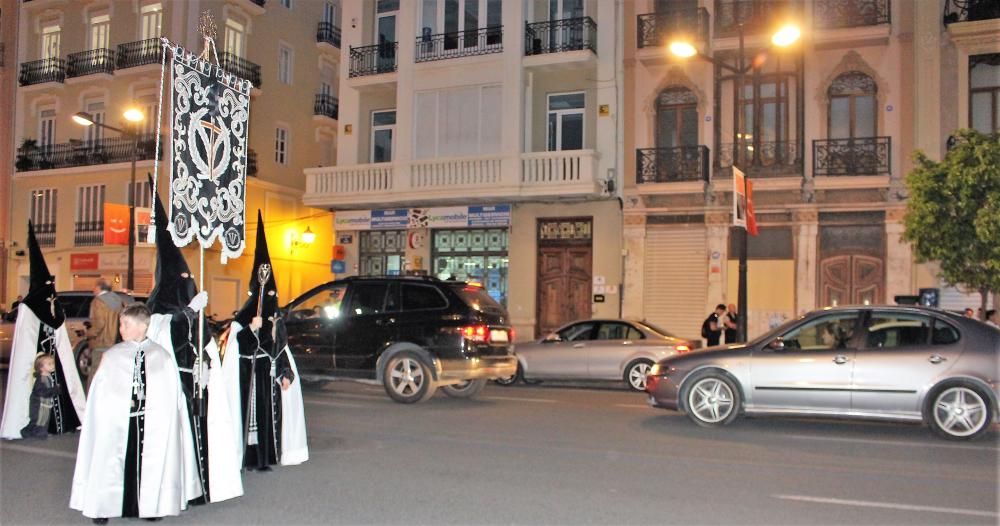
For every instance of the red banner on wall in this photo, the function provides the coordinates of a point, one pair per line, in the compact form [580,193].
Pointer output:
[115,224]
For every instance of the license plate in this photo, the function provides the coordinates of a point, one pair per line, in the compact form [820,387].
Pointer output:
[498,335]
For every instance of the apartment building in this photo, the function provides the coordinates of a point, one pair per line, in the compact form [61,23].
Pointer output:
[479,141]
[8,89]
[103,56]
[824,129]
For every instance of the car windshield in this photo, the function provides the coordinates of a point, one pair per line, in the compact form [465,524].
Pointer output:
[478,299]
[657,330]
[76,306]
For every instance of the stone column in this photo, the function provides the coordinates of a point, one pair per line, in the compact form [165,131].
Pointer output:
[634,235]
[806,231]
[898,257]
[717,244]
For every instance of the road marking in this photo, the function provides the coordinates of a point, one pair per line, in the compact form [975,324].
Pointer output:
[38,451]
[891,442]
[888,505]
[516,399]
[333,404]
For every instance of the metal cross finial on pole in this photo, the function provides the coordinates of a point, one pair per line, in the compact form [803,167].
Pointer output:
[209,31]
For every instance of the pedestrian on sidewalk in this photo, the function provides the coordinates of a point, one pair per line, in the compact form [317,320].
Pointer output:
[711,328]
[103,331]
[732,324]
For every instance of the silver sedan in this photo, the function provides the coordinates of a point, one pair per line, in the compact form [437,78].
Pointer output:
[597,350]
[908,364]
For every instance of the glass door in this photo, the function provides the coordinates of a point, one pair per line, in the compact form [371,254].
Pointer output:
[383,132]
[385,27]
[565,121]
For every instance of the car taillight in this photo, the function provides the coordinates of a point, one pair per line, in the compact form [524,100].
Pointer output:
[651,381]
[476,333]
[681,349]
[511,335]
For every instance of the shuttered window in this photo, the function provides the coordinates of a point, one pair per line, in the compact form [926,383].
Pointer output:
[676,280]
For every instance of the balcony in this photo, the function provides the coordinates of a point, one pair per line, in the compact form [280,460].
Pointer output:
[90,62]
[45,233]
[483,41]
[326,106]
[858,156]
[557,36]
[754,15]
[655,29]
[327,33]
[83,153]
[42,71]
[770,158]
[373,60]
[671,165]
[837,14]
[556,175]
[139,53]
[241,67]
[970,11]
[88,233]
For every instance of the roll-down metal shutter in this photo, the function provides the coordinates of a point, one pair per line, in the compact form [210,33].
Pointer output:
[676,280]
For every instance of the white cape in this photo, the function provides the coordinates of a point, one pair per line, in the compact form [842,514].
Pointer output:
[169,477]
[21,369]
[224,478]
[294,449]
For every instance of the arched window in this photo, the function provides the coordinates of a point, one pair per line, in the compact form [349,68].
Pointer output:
[676,118]
[852,106]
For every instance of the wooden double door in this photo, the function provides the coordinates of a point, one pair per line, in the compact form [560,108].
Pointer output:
[851,279]
[564,286]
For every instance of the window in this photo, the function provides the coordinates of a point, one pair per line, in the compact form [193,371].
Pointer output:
[984,93]
[281,146]
[944,333]
[381,252]
[676,118]
[100,27]
[565,121]
[234,37]
[852,106]
[90,209]
[47,129]
[457,122]
[825,333]
[330,10]
[565,9]
[618,331]
[368,298]
[286,4]
[94,133]
[50,41]
[383,129]
[143,194]
[890,330]
[152,21]
[285,55]
[577,332]
[461,21]
[150,108]
[474,255]
[420,297]
[43,206]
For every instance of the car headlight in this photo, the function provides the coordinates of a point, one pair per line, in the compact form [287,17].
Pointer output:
[655,370]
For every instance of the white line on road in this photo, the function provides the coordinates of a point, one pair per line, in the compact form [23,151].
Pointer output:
[332,404]
[891,442]
[516,399]
[887,505]
[38,451]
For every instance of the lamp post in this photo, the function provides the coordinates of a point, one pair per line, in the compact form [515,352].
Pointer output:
[784,37]
[133,116]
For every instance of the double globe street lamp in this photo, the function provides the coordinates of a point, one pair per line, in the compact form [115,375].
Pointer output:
[785,36]
[133,116]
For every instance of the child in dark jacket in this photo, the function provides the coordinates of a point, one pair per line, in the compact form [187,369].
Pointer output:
[42,395]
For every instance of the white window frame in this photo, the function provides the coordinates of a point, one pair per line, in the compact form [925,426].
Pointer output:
[559,114]
[42,210]
[51,41]
[482,16]
[286,63]
[151,21]
[561,6]
[46,127]
[99,34]
[382,127]
[282,137]
[330,12]
[236,37]
[143,195]
[90,203]
[147,102]
[96,109]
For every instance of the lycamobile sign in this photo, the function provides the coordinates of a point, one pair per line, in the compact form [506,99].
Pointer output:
[440,217]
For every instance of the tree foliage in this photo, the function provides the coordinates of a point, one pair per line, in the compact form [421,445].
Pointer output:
[953,212]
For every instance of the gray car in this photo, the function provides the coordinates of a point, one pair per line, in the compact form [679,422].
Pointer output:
[908,364]
[597,350]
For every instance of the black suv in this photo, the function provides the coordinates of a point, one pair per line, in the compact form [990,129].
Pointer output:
[412,334]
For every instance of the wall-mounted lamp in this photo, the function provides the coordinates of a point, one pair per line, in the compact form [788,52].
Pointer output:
[304,241]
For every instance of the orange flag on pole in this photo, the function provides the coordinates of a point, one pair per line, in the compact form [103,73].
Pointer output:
[751,216]
[115,224]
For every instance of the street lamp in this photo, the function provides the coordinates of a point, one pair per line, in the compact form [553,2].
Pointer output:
[787,35]
[134,116]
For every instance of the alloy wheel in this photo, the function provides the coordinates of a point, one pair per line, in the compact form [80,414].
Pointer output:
[406,377]
[637,376]
[711,400]
[960,411]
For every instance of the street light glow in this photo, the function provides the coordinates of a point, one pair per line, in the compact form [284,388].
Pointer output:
[134,115]
[83,119]
[786,36]
[683,49]
[308,236]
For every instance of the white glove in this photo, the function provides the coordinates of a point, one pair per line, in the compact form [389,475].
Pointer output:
[199,301]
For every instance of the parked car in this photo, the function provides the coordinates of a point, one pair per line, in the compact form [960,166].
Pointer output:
[597,350]
[412,334]
[908,364]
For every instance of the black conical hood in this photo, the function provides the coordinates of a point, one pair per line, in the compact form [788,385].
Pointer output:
[269,307]
[41,297]
[174,285]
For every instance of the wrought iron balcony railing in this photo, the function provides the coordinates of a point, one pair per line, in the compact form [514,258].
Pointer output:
[88,233]
[329,33]
[970,10]
[777,156]
[655,29]
[373,60]
[857,156]
[832,14]
[45,233]
[90,62]
[671,165]
[84,153]
[555,36]
[139,53]
[251,163]
[41,71]
[327,105]
[755,15]
[482,41]
[241,67]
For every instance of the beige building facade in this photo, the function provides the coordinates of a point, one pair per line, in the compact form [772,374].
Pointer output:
[102,57]
[824,129]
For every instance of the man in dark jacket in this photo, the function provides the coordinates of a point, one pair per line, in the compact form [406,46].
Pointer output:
[711,328]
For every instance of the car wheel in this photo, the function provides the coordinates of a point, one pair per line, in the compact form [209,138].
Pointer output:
[407,379]
[512,379]
[959,412]
[83,356]
[466,389]
[712,400]
[635,374]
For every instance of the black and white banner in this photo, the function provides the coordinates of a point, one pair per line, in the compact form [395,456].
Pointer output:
[211,111]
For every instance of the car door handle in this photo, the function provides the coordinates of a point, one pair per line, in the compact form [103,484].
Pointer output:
[578,346]
[840,359]
[936,358]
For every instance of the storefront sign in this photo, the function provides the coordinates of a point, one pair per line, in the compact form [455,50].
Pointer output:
[444,217]
[393,219]
[338,251]
[440,217]
[353,220]
[83,261]
[337,266]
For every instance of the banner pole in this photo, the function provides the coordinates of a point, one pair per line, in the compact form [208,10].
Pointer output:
[199,405]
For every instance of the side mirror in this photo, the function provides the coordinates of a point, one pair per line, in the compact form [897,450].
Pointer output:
[777,344]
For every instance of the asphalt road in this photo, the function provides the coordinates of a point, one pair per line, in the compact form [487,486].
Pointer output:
[565,455]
